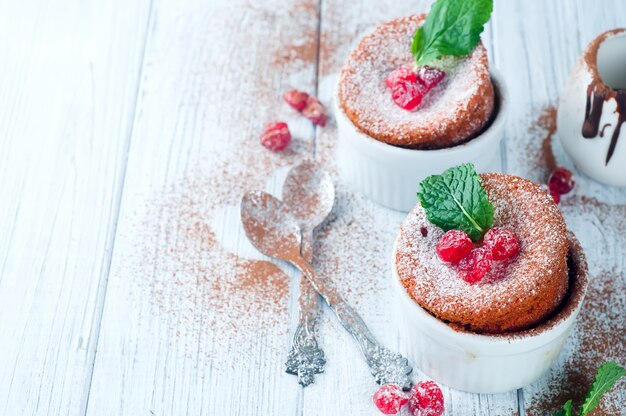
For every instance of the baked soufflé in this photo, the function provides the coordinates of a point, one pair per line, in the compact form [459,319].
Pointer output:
[455,94]
[510,294]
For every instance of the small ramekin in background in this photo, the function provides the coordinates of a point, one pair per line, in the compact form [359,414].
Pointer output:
[389,175]
[479,363]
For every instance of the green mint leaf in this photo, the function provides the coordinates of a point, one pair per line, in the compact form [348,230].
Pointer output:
[455,200]
[607,375]
[566,410]
[451,28]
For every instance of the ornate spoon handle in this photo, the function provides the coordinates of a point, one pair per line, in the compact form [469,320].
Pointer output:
[385,365]
[306,358]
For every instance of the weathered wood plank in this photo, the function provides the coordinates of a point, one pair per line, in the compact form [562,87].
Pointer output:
[68,86]
[193,322]
[192,325]
[355,248]
[540,50]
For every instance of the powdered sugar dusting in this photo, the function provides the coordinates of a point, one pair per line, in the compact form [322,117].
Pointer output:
[535,279]
[207,297]
[455,108]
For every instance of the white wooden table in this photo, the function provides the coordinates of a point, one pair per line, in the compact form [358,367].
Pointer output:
[129,131]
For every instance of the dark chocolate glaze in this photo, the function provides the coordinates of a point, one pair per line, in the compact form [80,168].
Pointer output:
[593,112]
[603,128]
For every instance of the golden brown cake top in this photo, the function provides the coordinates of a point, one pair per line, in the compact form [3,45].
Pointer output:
[457,108]
[515,294]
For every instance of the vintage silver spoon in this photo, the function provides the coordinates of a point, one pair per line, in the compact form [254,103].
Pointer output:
[275,232]
[308,194]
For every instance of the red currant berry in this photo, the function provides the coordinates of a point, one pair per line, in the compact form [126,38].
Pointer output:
[502,241]
[453,246]
[429,76]
[476,264]
[389,398]
[561,181]
[402,73]
[555,197]
[276,136]
[426,399]
[314,111]
[407,95]
[296,99]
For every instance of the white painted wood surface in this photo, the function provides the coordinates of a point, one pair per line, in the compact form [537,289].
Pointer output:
[125,123]
[68,87]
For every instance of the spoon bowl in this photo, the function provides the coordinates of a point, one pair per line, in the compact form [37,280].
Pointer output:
[270,228]
[309,194]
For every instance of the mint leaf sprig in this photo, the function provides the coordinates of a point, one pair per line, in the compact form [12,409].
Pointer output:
[605,379]
[566,410]
[456,200]
[452,28]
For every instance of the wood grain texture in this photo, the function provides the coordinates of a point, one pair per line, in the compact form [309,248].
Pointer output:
[540,51]
[213,76]
[130,132]
[68,87]
[358,220]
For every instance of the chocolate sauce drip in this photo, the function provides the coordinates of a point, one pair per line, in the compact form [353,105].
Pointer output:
[603,128]
[621,111]
[593,113]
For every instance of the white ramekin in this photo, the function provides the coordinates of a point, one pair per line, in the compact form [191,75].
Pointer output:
[389,175]
[486,363]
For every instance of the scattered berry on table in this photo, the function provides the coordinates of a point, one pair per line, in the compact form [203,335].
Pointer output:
[429,77]
[561,181]
[502,241]
[453,246]
[555,196]
[314,111]
[296,99]
[276,136]
[402,73]
[426,399]
[389,398]
[476,264]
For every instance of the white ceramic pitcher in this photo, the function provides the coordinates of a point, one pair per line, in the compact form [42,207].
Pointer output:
[592,110]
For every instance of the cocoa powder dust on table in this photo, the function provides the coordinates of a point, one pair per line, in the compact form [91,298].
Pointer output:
[300,50]
[538,152]
[598,336]
[547,121]
[209,299]
[600,331]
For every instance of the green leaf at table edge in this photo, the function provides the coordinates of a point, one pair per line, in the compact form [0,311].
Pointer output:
[605,379]
[566,410]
